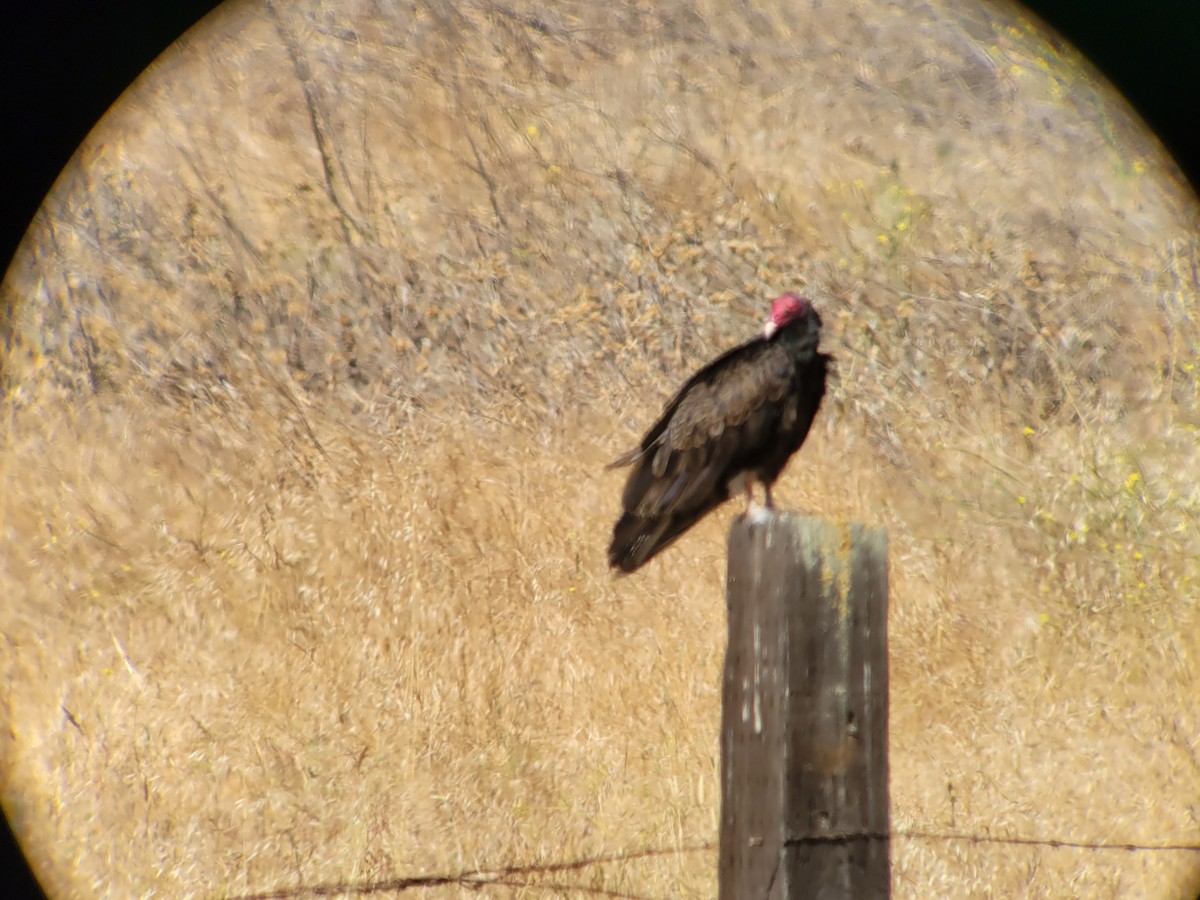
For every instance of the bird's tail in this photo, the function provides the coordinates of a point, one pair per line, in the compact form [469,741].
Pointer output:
[637,540]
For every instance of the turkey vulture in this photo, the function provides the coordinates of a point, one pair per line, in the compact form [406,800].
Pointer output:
[736,421]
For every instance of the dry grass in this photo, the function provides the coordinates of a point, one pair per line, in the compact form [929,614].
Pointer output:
[316,354]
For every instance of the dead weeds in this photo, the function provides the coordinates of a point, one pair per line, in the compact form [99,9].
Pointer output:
[316,353]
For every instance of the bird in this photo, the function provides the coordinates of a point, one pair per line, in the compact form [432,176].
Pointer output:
[734,423]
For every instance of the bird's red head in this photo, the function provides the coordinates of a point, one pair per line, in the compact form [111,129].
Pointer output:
[785,309]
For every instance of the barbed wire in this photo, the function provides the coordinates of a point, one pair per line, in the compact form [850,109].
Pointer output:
[529,875]
[963,837]
[500,876]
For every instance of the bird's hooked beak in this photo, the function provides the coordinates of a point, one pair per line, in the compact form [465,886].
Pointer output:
[769,328]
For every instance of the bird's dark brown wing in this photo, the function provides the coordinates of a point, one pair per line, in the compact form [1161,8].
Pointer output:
[683,465]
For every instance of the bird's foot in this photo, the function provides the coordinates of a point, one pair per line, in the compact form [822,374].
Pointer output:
[758,515]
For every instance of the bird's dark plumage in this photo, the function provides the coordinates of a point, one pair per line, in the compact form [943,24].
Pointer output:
[736,421]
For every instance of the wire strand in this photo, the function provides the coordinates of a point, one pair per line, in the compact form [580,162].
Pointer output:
[963,837]
[526,875]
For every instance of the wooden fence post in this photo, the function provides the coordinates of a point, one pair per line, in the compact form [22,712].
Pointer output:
[804,719]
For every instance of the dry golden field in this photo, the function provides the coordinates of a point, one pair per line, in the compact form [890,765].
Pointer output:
[317,350]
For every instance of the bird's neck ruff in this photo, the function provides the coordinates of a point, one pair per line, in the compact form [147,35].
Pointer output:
[800,338]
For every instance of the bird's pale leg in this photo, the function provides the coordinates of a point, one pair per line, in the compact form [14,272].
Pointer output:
[755,514]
